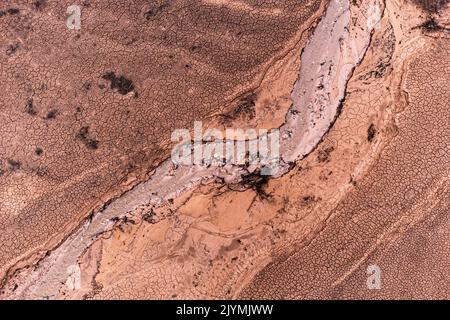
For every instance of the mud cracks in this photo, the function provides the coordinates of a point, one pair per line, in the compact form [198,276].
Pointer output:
[365,176]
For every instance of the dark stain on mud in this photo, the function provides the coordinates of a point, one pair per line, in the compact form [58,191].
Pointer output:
[84,136]
[30,108]
[431,26]
[432,6]
[245,109]
[120,83]
[14,165]
[152,13]
[38,4]
[371,132]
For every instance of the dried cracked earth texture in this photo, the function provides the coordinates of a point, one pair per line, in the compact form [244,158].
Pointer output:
[92,207]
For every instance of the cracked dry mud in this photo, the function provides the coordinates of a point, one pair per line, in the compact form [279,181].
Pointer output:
[358,89]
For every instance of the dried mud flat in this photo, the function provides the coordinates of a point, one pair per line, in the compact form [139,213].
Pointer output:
[91,208]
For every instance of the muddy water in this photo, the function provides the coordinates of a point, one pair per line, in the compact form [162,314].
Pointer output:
[327,63]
